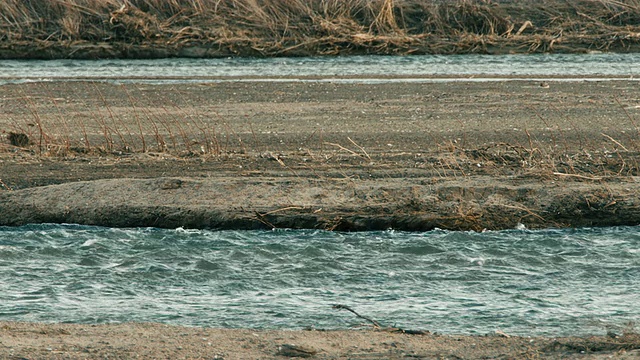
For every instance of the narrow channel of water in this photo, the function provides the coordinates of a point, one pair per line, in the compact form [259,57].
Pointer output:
[364,68]
[549,282]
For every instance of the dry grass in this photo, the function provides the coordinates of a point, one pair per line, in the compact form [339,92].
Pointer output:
[297,27]
[103,126]
[137,120]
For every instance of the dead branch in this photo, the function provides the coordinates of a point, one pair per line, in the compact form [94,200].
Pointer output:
[282,209]
[340,307]
[615,142]
[262,219]
[347,150]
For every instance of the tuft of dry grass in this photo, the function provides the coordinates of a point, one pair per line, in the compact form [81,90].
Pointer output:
[102,128]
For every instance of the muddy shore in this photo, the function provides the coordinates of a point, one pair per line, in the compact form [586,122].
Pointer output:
[156,341]
[336,156]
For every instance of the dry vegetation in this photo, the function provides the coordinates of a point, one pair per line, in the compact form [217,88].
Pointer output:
[147,124]
[211,28]
[132,120]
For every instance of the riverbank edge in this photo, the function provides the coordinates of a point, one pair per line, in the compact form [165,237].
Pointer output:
[474,204]
[355,45]
[154,340]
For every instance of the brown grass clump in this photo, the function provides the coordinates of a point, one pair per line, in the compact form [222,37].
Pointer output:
[156,28]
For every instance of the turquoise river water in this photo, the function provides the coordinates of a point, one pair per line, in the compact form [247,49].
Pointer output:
[549,282]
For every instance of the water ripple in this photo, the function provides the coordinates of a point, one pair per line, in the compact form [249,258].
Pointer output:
[371,69]
[550,282]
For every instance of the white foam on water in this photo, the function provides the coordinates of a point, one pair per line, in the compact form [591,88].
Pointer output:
[355,69]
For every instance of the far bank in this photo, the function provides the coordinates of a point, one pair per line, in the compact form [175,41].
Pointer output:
[156,29]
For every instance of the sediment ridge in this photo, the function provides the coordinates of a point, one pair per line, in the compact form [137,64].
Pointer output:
[477,204]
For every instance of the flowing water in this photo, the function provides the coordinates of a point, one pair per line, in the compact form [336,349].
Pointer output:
[549,282]
[364,68]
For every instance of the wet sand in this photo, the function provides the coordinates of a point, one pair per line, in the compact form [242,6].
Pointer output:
[156,341]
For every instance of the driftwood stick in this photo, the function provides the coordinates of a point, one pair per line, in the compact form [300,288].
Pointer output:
[615,142]
[345,149]
[261,218]
[5,185]
[282,209]
[340,307]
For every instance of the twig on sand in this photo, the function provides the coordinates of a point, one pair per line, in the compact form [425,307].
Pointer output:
[377,325]
[340,307]
[345,149]
[283,209]
[579,176]
[615,142]
[5,185]
[524,209]
[360,147]
[365,156]
[261,218]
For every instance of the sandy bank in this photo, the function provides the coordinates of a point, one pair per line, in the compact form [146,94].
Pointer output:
[123,341]
[416,204]
[339,156]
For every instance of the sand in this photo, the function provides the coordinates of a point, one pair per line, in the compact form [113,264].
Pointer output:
[157,341]
[335,156]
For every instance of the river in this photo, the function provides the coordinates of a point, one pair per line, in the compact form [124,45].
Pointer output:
[345,69]
[546,282]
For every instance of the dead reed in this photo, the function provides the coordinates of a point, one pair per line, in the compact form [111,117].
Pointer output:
[105,125]
[133,119]
[297,27]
